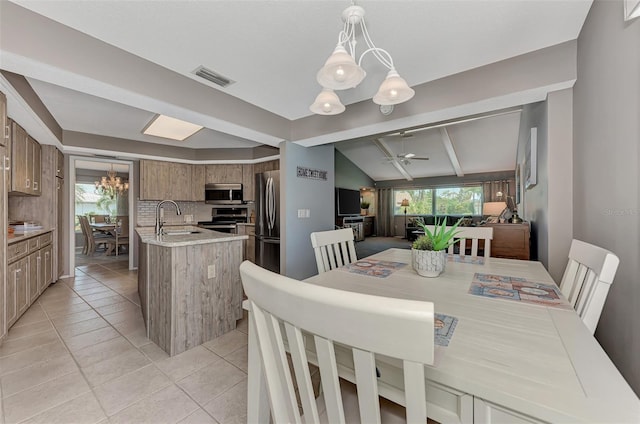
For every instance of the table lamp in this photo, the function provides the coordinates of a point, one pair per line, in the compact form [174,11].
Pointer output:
[405,204]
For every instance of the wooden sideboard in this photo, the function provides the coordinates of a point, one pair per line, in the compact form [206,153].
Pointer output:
[510,241]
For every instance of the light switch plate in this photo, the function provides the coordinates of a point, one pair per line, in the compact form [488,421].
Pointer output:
[211,271]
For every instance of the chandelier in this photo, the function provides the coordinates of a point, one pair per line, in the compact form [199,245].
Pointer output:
[341,72]
[111,185]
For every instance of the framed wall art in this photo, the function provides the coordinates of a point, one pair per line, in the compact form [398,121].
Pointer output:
[530,159]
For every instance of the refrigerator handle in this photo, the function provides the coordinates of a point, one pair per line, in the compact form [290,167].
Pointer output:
[270,203]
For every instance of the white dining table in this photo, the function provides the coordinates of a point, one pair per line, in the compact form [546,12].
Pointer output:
[506,361]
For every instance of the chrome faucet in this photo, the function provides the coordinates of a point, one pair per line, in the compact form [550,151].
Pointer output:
[158,220]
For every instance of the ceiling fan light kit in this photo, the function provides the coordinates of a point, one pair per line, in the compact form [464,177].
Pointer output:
[341,72]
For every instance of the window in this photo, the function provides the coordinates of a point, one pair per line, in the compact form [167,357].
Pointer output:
[88,202]
[465,200]
[420,201]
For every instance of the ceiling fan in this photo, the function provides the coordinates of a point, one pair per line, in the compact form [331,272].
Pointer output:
[407,157]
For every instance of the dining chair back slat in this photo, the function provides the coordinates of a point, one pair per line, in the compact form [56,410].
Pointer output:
[333,248]
[470,233]
[276,302]
[587,278]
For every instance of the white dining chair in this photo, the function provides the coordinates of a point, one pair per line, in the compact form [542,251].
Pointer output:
[587,279]
[475,234]
[283,309]
[333,248]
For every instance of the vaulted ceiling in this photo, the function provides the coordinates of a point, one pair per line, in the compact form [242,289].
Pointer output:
[106,68]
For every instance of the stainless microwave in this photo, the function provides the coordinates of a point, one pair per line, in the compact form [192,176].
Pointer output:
[223,194]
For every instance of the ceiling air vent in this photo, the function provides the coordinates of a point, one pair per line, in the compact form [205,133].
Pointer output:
[212,76]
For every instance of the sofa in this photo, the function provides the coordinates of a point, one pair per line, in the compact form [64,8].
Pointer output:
[468,220]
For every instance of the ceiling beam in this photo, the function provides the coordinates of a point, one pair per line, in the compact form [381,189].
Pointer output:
[386,151]
[448,146]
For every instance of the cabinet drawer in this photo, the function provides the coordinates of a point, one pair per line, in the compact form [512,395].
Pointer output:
[34,244]
[17,250]
[45,239]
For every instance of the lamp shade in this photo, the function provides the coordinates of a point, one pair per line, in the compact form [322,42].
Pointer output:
[340,71]
[493,208]
[404,203]
[327,103]
[393,90]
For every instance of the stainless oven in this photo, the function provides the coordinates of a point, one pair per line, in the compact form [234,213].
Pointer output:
[226,218]
[223,194]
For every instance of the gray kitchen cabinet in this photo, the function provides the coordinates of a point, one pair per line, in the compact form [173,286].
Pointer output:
[4,141]
[161,180]
[198,175]
[224,173]
[26,162]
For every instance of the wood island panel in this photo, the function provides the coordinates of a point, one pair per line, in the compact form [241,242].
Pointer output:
[190,294]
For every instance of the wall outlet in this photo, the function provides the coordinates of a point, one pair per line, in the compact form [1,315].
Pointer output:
[211,271]
[188,218]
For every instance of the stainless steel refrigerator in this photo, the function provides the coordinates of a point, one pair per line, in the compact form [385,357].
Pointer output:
[267,193]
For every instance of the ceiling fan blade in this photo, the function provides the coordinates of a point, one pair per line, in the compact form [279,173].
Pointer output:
[417,158]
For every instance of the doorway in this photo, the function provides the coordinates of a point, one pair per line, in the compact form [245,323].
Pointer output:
[114,206]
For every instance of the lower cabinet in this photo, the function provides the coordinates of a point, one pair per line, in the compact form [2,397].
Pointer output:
[29,272]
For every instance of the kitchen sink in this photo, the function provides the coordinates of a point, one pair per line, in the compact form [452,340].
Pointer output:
[180,232]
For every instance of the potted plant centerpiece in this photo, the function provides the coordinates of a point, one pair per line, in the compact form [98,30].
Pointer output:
[364,207]
[429,252]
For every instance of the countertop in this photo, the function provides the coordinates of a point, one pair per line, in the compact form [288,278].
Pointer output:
[14,238]
[201,236]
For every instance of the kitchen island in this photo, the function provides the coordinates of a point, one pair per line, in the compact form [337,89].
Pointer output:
[189,285]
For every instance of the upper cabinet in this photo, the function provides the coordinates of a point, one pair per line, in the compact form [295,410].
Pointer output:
[165,180]
[4,121]
[228,174]
[161,180]
[26,162]
[59,164]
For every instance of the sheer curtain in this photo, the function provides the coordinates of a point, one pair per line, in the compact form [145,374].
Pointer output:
[385,212]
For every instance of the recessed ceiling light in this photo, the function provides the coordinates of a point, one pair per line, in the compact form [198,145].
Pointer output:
[172,128]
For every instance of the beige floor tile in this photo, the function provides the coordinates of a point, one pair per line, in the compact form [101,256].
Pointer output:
[28,330]
[102,351]
[117,307]
[68,310]
[109,369]
[138,338]
[83,409]
[31,402]
[227,343]
[211,381]
[179,366]
[154,352]
[77,317]
[36,374]
[231,406]
[130,326]
[239,358]
[10,347]
[32,356]
[91,338]
[169,405]
[130,388]
[116,298]
[97,296]
[77,328]
[199,417]
[57,301]
[121,316]
[93,290]
[34,314]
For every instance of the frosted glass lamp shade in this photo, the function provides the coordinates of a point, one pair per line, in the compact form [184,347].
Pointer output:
[327,103]
[340,71]
[393,90]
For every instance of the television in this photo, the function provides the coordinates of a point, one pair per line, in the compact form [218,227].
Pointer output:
[347,202]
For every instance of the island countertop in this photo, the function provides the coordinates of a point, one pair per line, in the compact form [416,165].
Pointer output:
[185,235]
